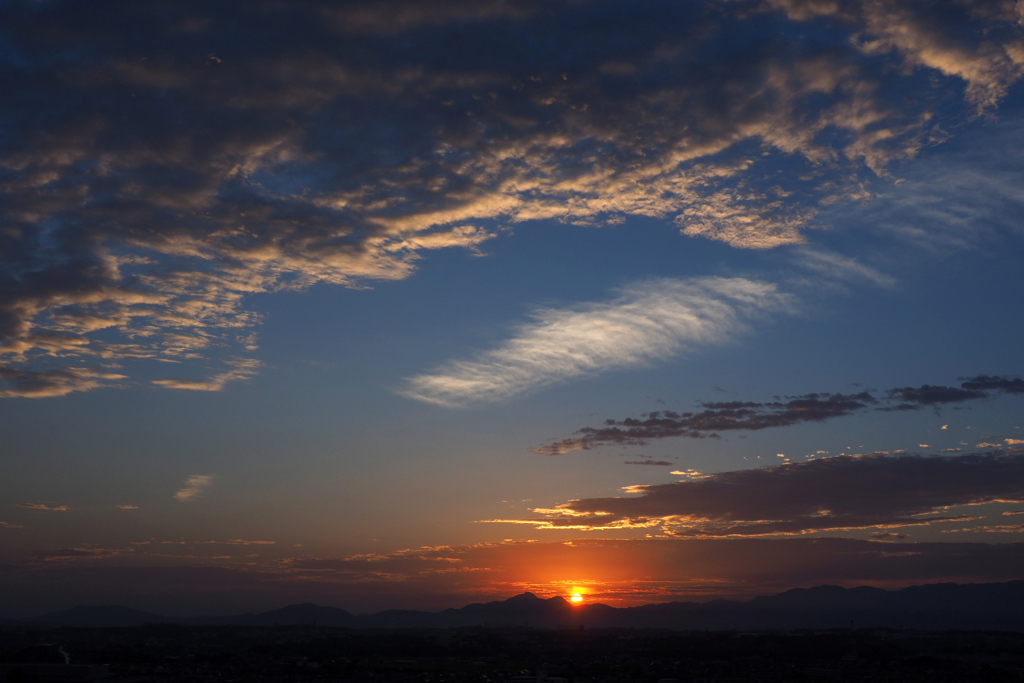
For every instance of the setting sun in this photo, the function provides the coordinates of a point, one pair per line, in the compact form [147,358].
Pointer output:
[576,598]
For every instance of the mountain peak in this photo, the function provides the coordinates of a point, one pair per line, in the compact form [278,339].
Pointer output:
[928,607]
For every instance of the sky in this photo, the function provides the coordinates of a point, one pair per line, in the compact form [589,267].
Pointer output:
[417,303]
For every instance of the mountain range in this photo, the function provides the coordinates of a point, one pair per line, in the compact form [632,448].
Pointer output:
[990,606]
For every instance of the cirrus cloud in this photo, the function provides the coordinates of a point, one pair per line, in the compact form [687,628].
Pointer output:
[195,486]
[646,322]
[47,507]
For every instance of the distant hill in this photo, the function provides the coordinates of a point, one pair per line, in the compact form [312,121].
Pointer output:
[292,615]
[101,616]
[947,606]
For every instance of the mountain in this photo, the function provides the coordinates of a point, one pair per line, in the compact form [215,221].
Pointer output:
[944,606]
[522,610]
[101,615]
[947,606]
[292,615]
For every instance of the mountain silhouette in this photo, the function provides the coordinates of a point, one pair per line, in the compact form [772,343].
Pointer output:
[101,616]
[946,606]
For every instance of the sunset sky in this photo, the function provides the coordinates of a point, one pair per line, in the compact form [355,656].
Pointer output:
[417,303]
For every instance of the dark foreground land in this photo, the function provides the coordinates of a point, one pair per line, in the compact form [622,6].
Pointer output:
[164,653]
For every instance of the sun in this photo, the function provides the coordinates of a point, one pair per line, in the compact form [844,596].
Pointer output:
[576,598]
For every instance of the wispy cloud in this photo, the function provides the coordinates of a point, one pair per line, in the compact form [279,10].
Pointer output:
[969,199]
[650,461]
[193,544]
[43,506]
[242,368]
[648,321]
[67,555]
[9,525]
[127,507]
[195,486]
[716,417]
[48,383]
[828,494]
[837,266]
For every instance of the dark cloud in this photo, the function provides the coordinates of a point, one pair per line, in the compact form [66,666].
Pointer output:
[1009,385]
[842,492]
[746,415]
[162,162]
[912,398]
[32,384]
[650,461]
[717,417]
[922,34]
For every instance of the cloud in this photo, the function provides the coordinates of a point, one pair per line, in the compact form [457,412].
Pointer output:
[1009,385]
[988,529]
[60,382]
[827,494]
[689,473]
[648,321]
[970,198]
[716,417]
[43,506]
[649,461]
[151,185]
[616,572]
[243,368]
[398,17]
[926,35]
[195,486]
[830,264]
[656,570]
[912,398]
[65,555]
[720,416]
[127,507]
[9,525]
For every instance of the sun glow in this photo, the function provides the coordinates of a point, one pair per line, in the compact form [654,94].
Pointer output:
[576,598]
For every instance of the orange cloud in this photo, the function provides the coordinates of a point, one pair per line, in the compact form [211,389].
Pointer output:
[43,506]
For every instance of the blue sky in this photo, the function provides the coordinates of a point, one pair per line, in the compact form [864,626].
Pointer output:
[311,302]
